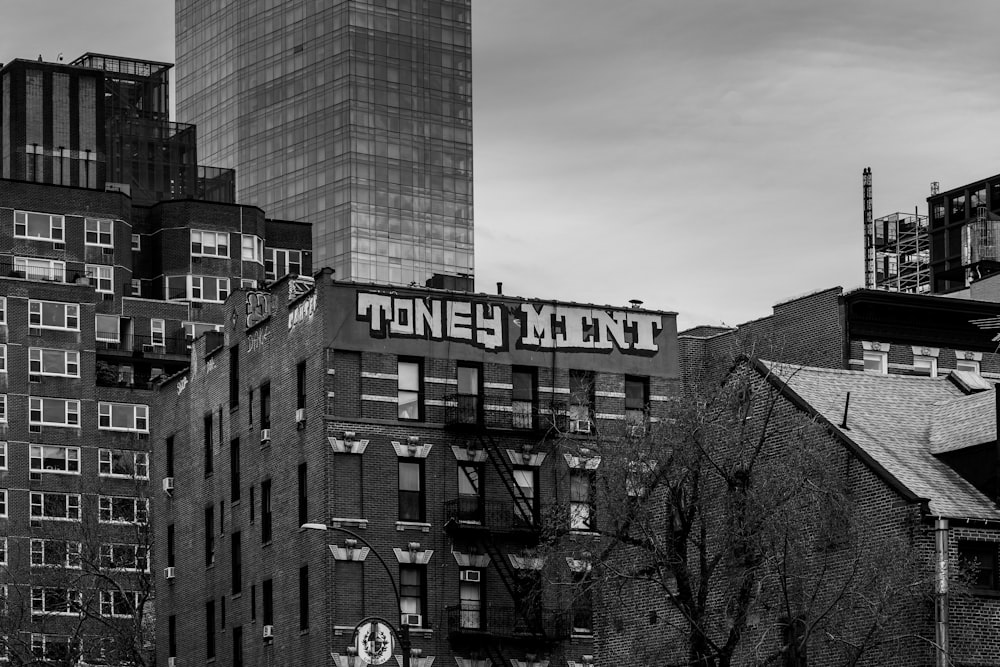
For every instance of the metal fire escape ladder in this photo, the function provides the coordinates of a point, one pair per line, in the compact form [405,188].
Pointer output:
[506,473]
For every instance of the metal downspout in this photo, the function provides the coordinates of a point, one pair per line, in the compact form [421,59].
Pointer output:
[941,592]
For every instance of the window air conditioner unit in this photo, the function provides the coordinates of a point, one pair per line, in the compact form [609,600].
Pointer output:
[412,620]
[300,417]
[268,632]
[579,426]
[168,484]
[168,573]
[472,576]
[265,435]
[173,662]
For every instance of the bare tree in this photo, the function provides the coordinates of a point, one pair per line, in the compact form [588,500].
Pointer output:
[737,531]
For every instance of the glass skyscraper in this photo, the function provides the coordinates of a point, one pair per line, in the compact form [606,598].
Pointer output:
[354,115]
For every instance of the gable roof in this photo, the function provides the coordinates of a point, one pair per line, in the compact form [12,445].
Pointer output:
[899,421]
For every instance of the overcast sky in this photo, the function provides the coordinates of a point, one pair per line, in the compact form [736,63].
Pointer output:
[704,156]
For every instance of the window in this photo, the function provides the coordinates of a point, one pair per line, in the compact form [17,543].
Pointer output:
[581,500]
[40,269]
[470,596]
[267,602]
[238,646]
[925,365]
[53,412]
[3,454]
[207,445]
[58,649]
[3,358]
[101,277]
[304,597]
[253,249]
[209,288]
[55,553]
[64,506]
[98,232]
[234,470]
[3,503]
[526,507]
[107,328]
[470,492]
[583,604]
[157,332]
[210,629]
[967,365]
[265,511]
[55,600]
[468,399]
[3,560]
[876,362]
[119,604]
[52,362]
[411,490]
[123,509]
[234,376]
[300,385]
[236,561]
[123,463]
[412,589]
[136,243]
[410,405]
[209,535]
[979,561]
[169,455]
[39,226]
[581,390]
[194,330]
[132,557]
[265,405]
[171,544]
[303,495]
[3,408]
[279,262]
[636,401]
[54,315]
[523,398]
[55,458]
[123,417]
[209,244]
[3,310]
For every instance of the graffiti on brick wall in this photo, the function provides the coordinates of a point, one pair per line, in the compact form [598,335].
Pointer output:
[302,312]
[536,326]
[258,308]
[256,340]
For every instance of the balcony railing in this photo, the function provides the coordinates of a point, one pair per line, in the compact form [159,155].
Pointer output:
[509,622]
[147,345]
[499,515]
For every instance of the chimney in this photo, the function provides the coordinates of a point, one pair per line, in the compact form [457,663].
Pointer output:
[499,287]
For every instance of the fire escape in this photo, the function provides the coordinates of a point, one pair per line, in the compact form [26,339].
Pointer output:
[504,529]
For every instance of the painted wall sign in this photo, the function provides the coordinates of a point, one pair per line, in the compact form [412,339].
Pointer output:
[536,326]
[256,340]
[258,308]
[303,311]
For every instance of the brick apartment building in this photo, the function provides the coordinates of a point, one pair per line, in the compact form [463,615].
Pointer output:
[447,429]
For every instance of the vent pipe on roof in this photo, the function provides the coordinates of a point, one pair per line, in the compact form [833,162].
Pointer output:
[499,287]
[847,404]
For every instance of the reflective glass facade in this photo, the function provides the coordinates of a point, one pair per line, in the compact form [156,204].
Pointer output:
[355,115]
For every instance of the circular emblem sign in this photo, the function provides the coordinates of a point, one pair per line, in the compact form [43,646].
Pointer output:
[374,642]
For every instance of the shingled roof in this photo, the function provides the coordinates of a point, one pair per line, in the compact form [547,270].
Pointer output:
[900,422]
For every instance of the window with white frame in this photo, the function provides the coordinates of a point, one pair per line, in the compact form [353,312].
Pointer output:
[119,604]
[123,463]
[3,310]
[60,506]
[970,365]
[279,262]
[3,454]
[34,268]
[248,283]
[925,365]
[39,226]
[54,315]
[43,411]
[53,362]
[55,600]
[55,458]
[3,408]
[56,553]
[253,249]
[3,552]
[122,509]
[123,417]
[3,358]
[581,496]
[98,231]
[60,649]
[102,277]
[193,330]
[157,331]
[131,557]
[136,243]
[107,328]
[209,244]
[3,503]
[876,361]
[209,288]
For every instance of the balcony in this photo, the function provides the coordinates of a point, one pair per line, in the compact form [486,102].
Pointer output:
[147,346]
[463,410]
[504,516]
[539,623]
